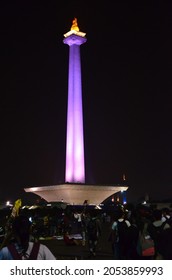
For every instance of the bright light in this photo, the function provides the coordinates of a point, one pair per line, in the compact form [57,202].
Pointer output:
[75,163]
[8,203]
[98,207]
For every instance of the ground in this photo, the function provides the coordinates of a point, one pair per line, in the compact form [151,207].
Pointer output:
[62,251]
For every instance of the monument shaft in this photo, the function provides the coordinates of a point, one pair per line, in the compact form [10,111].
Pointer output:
[75,162]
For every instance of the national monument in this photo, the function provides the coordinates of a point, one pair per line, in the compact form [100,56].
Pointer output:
[75,190]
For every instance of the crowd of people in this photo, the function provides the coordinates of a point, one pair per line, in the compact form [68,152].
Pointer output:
[142,235]
[131,234]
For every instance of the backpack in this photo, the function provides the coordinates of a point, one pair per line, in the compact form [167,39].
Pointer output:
[157,234]
[145,245]
[168,221]
[122,232]
[16,256]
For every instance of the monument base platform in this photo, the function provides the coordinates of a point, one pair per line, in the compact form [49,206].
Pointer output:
[76,194]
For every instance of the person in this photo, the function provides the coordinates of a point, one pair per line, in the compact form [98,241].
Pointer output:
[93,232]
[121,240]
[78,217]
[156,230]
[133,236]
[145,244]
[20,247]
[53,222]
[166,250]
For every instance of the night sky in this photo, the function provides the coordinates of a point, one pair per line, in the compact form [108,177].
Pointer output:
[127,89]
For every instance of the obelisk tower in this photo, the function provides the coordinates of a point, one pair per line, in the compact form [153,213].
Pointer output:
[75,162]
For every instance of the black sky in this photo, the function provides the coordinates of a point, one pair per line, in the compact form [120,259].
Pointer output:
[127,87]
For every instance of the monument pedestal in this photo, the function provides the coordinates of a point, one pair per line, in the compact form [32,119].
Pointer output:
[76,194]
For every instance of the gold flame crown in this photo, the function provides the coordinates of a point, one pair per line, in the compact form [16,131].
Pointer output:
[74,25]
[74,30]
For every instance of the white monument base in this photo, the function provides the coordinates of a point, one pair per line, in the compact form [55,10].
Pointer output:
[76,194]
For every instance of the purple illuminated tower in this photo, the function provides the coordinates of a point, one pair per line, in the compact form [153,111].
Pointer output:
[75,162]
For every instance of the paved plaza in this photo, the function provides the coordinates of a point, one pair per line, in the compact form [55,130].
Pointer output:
[62,251]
